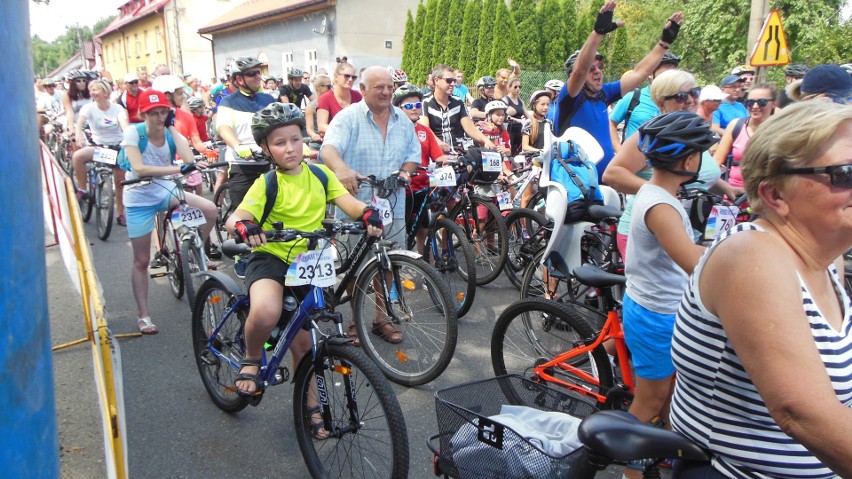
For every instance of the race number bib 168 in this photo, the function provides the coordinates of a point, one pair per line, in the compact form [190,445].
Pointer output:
[312,267]
[385,210]
[105,156]
[187,215]
[445,176]
[722,218]
[492,161]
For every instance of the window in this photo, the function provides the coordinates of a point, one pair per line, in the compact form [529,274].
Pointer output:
[147,47]
[120,50]
[158,38]
[311,61]
[286,62]
[136,44]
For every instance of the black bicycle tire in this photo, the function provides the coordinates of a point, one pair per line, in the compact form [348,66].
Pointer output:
[87,204]
[415,332]
[464,247]
[562,322]
[462,214]
[171,256]
[105,212]
[513,265]
[189,256]
[222,393]
[379,389]
[222,194]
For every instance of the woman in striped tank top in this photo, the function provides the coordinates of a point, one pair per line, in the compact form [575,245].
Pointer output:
[763,339]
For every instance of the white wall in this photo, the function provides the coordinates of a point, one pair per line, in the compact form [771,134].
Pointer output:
[195,52]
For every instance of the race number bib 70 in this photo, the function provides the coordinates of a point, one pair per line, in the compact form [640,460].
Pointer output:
[105,156]
[492,161]
[385,210]
[187,215]
[722,218]
[312,267]
[445,176]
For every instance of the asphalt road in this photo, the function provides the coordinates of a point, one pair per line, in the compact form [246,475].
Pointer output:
[173,429]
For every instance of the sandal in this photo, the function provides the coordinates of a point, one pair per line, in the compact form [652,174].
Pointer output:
[387,332]
[352,334]
[318,429]
[248,377]
[146,326]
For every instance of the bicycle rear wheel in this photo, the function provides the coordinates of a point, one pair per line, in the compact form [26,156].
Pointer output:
[366,430]
[172,257]
[487,235]
[526,235]
[448,250]
[426,317]
[105,203]
[222,200]
[534,331]
[191,266]
[218,372]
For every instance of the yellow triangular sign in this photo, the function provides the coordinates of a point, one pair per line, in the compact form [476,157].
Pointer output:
[771,49]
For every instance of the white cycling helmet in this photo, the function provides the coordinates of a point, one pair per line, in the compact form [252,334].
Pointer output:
[167,83]
[495,105]
[554,85]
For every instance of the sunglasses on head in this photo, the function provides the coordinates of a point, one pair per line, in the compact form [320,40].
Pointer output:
[80,79]
[252,74]
[449,81]
[504,78]
[412,106]
[840,175]
[761,102]
[681,96]
[349,76]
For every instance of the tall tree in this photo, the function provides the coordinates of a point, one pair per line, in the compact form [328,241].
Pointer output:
[486,38]
[425,55]
[455,27]
[409,45]
[552,35]
[469,38]
[505,37]
[440,32]
[528,27]
[418,68]
[570,27]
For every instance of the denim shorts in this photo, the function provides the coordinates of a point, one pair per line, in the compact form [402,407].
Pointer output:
[140,219]
[649,339]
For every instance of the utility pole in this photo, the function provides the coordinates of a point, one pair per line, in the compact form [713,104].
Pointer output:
[759,12]
[80,45]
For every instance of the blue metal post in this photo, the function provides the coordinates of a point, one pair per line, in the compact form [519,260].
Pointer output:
[29,445]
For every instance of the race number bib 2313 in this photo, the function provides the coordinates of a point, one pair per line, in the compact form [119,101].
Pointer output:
[105,156]
[312,267]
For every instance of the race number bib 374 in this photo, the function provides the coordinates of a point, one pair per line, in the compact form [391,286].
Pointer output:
[445,176]
[312,267]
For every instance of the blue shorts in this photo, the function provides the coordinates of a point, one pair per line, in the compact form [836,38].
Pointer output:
[649,339]
[140,219]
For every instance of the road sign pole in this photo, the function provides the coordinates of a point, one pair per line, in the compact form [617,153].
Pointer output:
[29,446]
[759,12]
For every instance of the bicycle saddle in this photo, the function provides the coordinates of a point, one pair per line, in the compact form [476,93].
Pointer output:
[621,437]
[599,212]
[591,275]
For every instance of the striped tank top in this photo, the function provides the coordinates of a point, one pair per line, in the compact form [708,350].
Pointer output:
[715,403]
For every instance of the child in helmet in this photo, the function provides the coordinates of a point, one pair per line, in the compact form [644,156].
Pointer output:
[301,205]
[494,125]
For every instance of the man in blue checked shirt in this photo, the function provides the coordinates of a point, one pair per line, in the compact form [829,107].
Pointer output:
[372,137]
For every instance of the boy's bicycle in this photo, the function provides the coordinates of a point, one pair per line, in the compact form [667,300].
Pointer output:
[334,381]
[100,196]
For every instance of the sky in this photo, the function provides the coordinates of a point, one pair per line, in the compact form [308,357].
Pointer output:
[50,21]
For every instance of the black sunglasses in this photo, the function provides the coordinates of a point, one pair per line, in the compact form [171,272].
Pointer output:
[840,175]
[252,73]
[350,77]
[761,102]
[450,81]
[681,96]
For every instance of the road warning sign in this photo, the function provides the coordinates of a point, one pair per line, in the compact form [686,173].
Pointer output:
[771,49]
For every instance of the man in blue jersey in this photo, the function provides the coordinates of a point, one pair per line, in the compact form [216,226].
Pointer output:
[583,100]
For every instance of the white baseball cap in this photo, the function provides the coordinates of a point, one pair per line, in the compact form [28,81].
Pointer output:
[129,77]
[712,92]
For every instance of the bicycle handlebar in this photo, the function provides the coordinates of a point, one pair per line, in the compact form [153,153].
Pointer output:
[210,166]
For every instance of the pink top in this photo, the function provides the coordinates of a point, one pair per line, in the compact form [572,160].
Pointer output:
[327,101]
[737,149]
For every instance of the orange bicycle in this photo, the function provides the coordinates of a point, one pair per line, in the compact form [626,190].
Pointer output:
[562,343]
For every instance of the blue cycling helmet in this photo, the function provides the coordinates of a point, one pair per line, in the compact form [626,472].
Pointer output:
[671,137]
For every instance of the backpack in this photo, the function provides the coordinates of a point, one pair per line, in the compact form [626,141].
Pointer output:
[572,169]
[634,100]
[487,165]
[124,163]
[272,188]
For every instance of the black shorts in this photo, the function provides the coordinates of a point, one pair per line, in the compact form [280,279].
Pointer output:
[413,204]
[268,266]
[240,179]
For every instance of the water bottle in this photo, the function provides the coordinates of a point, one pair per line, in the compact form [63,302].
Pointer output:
[289,306]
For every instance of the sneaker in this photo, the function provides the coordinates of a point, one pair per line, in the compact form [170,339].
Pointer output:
[214,252]
[240,263]
[121,220]
[157,262]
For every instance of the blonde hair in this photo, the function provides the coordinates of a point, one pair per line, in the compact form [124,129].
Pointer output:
[101,85]
[669,83]
[796,136]
[319,78]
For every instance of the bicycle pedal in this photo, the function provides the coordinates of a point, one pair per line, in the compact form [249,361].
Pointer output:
[157,275]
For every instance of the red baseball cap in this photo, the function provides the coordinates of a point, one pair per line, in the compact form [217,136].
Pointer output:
[150,99]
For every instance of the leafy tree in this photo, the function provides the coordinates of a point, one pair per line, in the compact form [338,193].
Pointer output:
[529,35]
[425,51]
[486,38]
[418,68]
[440,31]
[469,37]
[409,45]
[505,37]
[455,28]
[552,34]
[570,32]
[47,56]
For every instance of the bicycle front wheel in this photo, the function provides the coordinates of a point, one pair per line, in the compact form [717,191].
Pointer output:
[191,265]
[486,230]
[365,433]
[534,331]
[449,251]
[218,360]
[222,200]
[87,203]
[105,204]
[172,257]
[420,308]
[526,235]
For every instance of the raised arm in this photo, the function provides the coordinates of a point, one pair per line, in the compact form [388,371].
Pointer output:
[648,64]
